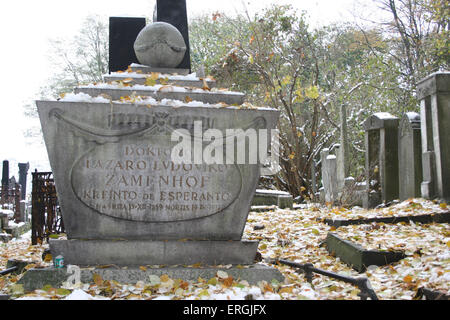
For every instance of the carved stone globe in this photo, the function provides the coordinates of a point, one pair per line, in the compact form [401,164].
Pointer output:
[160,45]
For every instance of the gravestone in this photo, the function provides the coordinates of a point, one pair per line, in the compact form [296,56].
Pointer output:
[23,173]
[381,140]
[124,199]
[5,181]
[410,156]
[122,34]
[329,175]
[434,95]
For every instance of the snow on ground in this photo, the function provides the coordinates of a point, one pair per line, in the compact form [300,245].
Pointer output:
[294,235]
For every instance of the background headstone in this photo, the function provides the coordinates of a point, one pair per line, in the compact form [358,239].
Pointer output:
[122,34]
[5,181]
[434,95]
[409,156]
[23,172]
[381,159]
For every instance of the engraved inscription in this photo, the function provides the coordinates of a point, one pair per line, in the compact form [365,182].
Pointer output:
[136,180]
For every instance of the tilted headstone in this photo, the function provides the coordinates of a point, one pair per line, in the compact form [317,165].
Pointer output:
[122,34]
[409,156]
[23,173]
[434,95]
[381,140]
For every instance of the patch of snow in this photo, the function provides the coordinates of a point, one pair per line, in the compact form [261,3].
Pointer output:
[83,97]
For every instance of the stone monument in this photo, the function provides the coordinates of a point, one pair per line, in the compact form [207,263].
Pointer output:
[434,95]
[381,140]
[409,156]
[23,173]
[125,199]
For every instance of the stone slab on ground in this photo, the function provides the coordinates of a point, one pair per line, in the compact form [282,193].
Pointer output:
[425,218]
[263,208]
[431,294]
[35,279]
[358,257]
[281,199]
[147,252]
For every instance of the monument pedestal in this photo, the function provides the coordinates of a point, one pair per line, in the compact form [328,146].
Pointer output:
[35,279]
[150,252]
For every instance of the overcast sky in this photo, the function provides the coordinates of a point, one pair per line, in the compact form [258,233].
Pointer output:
[27,26]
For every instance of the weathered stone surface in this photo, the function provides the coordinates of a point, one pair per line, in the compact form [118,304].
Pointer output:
[434,95]
[160,45]
[141,80]
[410,156]
[115,178]
[206,97]
[149,70]
[141,252]
[381,140]
[280,199]
[35,279]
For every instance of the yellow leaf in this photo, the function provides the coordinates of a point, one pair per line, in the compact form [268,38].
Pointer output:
[150,82]
[292,156]
[251,59]
[213,281]
[286,290]
[286,80]
[315,231]
[143,268]
[443,205]
[408,279]
[448,244]
[312,92]
[164,81]
[97,279]
[187,99]
[48,258]
[164,278]
[204,293]
[205,86]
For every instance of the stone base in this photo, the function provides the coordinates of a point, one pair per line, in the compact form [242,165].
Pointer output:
[147,252]
[148,70]
[35,279]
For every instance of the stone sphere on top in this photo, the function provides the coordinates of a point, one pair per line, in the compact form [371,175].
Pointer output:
[160,45]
